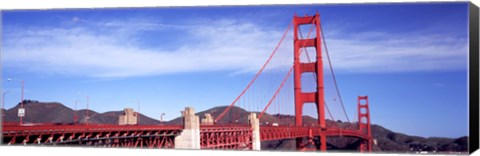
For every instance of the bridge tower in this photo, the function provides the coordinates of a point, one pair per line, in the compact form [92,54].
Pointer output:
[364,123]
[316,68]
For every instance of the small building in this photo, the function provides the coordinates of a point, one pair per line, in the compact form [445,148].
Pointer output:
[129,117]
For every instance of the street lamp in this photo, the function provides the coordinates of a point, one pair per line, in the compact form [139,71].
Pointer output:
[138,112]
[161,118]
[3,101]
[75,117]
[20,114]
[86,118]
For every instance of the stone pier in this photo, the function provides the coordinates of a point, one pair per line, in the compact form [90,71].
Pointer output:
[208,120]
[129,117]
[255,123]
[190,136]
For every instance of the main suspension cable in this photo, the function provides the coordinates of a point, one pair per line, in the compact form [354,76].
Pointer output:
[256,75]
[333,73]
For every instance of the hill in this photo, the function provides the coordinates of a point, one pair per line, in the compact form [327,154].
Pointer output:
[54,112]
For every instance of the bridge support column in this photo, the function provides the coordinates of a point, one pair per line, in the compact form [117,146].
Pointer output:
[364,122]
[323,142]
[255,123]
[299,143]
[190,136]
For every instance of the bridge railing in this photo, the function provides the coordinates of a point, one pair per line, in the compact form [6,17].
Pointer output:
[15,130]
[84,134]
[282,132]
[285,132]
[226,137]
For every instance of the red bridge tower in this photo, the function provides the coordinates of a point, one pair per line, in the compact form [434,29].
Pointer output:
[316,67]
[364,123]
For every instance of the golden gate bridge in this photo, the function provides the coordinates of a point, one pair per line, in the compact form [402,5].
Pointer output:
[279,87]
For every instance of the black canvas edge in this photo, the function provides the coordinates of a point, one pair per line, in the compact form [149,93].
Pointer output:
[1,73]
[473,139]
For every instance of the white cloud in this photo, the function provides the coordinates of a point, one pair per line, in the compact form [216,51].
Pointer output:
[384,52]
[222,45]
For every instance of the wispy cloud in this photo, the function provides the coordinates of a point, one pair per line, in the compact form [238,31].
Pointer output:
[222,45]
[398,52]
[110,49]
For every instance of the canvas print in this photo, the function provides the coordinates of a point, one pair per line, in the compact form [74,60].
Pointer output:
[377,77]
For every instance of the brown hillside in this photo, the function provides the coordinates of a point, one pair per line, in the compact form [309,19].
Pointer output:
[54,112]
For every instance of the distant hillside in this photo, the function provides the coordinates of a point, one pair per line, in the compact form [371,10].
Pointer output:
[387,140]
[239,115]
[54,112]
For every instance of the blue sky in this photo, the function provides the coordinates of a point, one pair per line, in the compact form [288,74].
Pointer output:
[411,59]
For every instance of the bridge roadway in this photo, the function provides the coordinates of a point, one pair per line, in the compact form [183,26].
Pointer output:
[221,136]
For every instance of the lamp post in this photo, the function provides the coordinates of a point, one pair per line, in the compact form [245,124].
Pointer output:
[3,102]
[21,101]
[161,118]
[86,119]
[75,117]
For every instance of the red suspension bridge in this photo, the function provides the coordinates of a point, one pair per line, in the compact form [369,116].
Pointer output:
[279,87]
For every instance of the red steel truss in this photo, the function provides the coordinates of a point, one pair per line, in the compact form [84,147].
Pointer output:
[268,133]
[211,136]
[226,137]
[92,135]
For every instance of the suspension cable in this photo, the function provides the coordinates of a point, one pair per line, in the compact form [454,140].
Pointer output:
[333,73]
[281,85]
[256,75]
[329,113]
[276,92]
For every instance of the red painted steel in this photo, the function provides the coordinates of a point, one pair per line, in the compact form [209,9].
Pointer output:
[317,67]
[364,122]
[226,137]
[284,132]
[92,135]
[212,137]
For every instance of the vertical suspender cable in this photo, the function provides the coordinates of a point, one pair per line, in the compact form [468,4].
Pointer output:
[258,73]
[333,74]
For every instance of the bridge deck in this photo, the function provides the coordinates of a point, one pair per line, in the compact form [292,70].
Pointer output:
[63,133]
[280,132]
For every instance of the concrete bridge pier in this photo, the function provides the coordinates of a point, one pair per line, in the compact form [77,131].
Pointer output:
[190,136]
[255,123]
[208,120]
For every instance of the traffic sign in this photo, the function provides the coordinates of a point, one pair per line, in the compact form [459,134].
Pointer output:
[21,112]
